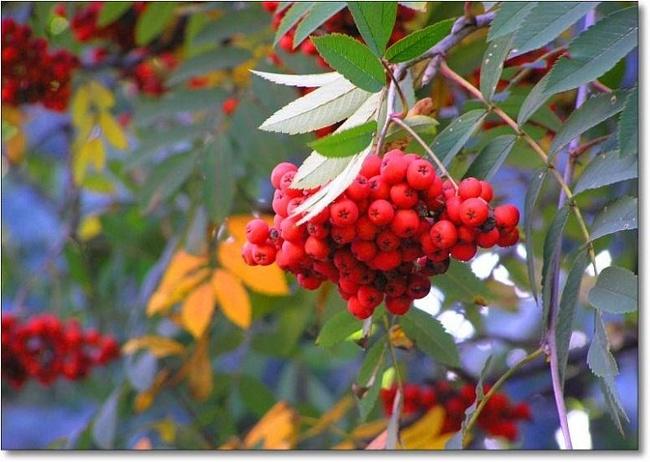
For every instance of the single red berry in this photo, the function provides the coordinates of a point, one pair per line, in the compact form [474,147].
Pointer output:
[369,297]
[418,287]
[468,188]
[366,229]
[405,223]
[393,167]
[229,105]
[420,174]
[387,241]
[444,234]
[279,171]
[506,216]
[307,48]
[463,252]
[344,213]
[486,191]
[290,231]
[522,411]
[316,248]
[386,261]
[428,397]
[398,305]
[395,287]
[371,166]
[247,254]
[452,207]
[286,43]
[318,230]
[263,254]
[379,189]
[294,252]
[363,250]
[257,231]
[309,282]
[473,212]
[357,309]
[488,239]
[343,234]
[466,234]
[359,189]
[381,212]
[285,185]
[508,237]
[403,196]
[435,189]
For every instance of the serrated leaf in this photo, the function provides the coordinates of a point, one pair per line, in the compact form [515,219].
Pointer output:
[369,400]
[430,337]
[371,362]
[166,179]
[509,18]
[111,11]
[567,311]
[219,181]
[337,328]
[613,402]
[532,193]
[546,21]
[605,169]
[628,125]
[594,111]
[535,99]
[599,358]
[353,60]
[492,65]
[346,143]
[459,283]
[419,123]
[418,42]
[305,80]
[451,140]
[105,424]
[619,215]
[595,51]
[234,22]
[491,157]
[213,60]
[153,21]
[322,107]
[552,248]
[291,18]
[374,22]
[616,291]
[314,18]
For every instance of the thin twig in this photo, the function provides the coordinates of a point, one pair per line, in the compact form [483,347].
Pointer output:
[424,145]
[493,389]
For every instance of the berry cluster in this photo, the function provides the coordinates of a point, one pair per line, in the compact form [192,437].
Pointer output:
[341,22]
[44,348]
[149,75]
[30,72]
[498,418]
[85,25]
[395,226]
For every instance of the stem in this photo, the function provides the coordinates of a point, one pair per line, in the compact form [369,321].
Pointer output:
[450,74]
[554,307]
[481,404]
[393,355]
[424,145]
[398,88]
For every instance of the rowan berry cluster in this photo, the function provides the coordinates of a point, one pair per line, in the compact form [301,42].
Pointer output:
[498,418]
[31,73]
[44,348]
[395,226]
[341,22]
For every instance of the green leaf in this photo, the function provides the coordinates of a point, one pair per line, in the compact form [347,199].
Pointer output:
[353,60]
[616,291]
[171,103]
[255,395]
[338,328]
[219,182]
[452,139]
[628,125]
[532,193]
[346,143]
[213,60]
[419,123]
[619,215]
[430,337]
[491,157]
[594,111]
[195,242]
[546,21]
[105,424]
[111,11]
[509,18]
[369,400]
[459,283]
[314,18]
[605,169]
[535,99]
[375,21]
[372,362]
[567,311]
[613,402]
[552,248]
[492,65]
[291,18]
[153,21]
[416,43]
[166,179]
[595,51]
[245,21]
[599,358]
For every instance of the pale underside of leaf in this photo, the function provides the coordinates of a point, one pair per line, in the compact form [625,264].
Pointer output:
[305,80]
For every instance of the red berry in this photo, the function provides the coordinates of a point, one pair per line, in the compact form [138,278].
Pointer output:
[466,234]
[398,305]
[486,191]
[309,282]
[463,252]
[395,287]
[386,261]
[293,252]
[387,241]
[290,231]
[453,209]
[357,309]
[420,174]
[263,254]
[444,234]
[473,212]
[257,231]
[286,43]
[343,234]
[319,231]
[405,223]
[403,196]
[418,287]
[369,297]
[229,105]
[247,254]
[344,213]
[381,212]
[468,188]
[316,248]
[371,166]
[508,237]
[379,189]
[366,229]
[363,250]
[393,167]
[359,189]
[435,189]
[279,171]
[506,216]
[488,239]
[307,47]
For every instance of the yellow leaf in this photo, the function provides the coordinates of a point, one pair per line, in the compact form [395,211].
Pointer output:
[92,153]
[369,429]
[232,298]
[112,130]
[267,280]
[197,310]
[275,430]
[80,106]
[199,370]
[336,413]
[425,433]
[98,183]
[166,429]
[157,346]
[398,338]
[183,273]
[15,147]
[144,399]
[89,227]
[101,96]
